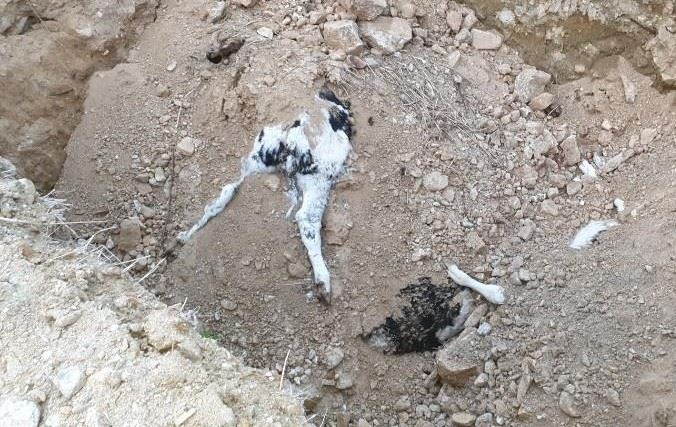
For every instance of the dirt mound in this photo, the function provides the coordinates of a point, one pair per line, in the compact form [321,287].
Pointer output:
[84,345]
[49,49]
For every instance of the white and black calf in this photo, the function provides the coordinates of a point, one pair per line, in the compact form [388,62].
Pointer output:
[311,154]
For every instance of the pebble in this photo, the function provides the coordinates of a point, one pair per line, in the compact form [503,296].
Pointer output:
[367,10]
[484,329]
[228,305]
[542,101]
[454,20]
[567,405]
[526,229]
[484,420]
[15,412]
[68,319]
[530,83]
[344,36]
[69,380]
[463,419]
[265,32]
[420,254]
[613,397]
[129,235]
[171,66]
[387,34]
[217,12]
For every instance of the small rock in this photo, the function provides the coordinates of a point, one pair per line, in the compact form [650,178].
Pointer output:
[530,83]
[463,419]
[387,34]
[333,357]
[648,135]
[486,40]
[454,20]
[484,329]
[172,66]
[571,151]
[567,405]
[344,381]
[574,187]
[68,319]
[629,89]
[435,181]
[344,36]
[541,101]
[265,32]
[367,10]
[420,254]
[228,305]
[407,9]
[186,146]
[613,397]
[70,380]
[296,270]
[484,420]
[15,412]
[130,235]
[272,182]
[506,17]
[217,12]
[246,3]
[526,229]
[162,91]
[457,363]
[481,380]
[549,207]
[522,388]
[363,423]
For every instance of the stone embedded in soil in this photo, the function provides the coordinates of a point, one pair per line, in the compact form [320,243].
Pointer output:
[571,151]
[387,34]
[530,83]
[435,181]
[211,411]
[367,10]
[186,146]
[228,305]
[266,32]
[567,405]
[463,419]
[297,270]
[486,40]
[70,380]
[130,235]
[526,229]
[663,49]
[457,363]
[343,35]
[15,412]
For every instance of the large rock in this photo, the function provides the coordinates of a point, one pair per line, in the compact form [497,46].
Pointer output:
[663,49]
[366,10]
[459,362]
[386,34]
[530,83]
[343,35]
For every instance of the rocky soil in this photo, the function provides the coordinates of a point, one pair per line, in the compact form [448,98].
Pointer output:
[487,134]
[82,344]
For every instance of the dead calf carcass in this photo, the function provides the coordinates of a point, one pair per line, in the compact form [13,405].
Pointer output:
[311,155]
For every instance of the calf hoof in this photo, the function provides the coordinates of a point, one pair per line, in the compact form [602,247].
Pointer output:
[323,293]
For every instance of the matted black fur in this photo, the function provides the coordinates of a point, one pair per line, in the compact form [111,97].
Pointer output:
[428,311]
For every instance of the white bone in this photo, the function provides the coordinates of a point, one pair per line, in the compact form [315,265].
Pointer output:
[493,293]
[586,235]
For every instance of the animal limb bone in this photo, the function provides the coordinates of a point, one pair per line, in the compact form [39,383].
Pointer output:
[493,293]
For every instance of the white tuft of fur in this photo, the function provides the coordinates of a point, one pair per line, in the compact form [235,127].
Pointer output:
[493,293]
[586,235]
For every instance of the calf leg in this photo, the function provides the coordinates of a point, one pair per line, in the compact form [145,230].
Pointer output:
[493,293]
[251,164]
[315,192]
